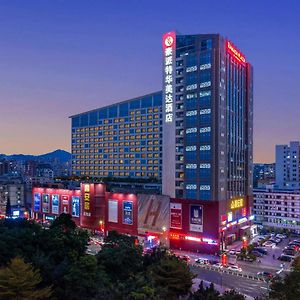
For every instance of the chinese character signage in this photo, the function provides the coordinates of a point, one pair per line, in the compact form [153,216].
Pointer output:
[87,201]
[169,48]
[236,203]
[55,204]
[196,218]
[175,216]
[128,212]
[75,206]
[37,201]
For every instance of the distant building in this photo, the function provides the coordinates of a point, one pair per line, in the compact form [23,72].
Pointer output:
[5,167]
[277,208]
[288,166]
[12,196]
[263,174]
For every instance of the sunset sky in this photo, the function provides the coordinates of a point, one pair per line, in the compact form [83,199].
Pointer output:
[62,57]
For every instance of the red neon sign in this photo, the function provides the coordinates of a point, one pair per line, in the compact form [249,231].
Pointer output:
[235,53]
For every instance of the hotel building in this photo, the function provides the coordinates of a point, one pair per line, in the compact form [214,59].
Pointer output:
[195,136]
[120,140]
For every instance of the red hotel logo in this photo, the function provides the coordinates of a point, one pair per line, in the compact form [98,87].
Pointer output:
[238,55]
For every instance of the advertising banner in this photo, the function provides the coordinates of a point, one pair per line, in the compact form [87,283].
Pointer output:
[75,206]
[65,204]
[55,204]
[113,211]
[196,218]
[175,215]
[37,202]
[128,212]
[153,213]
[46,203]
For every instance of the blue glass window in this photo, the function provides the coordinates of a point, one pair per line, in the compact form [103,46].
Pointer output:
[206,44]
[75,121]
[113,112]
[191,78]
[123,109]
[190,174]
[157,99]
[205,155]
[205,76]
[147,102]
[93,118]
[190,155]
[191,121]
[205,195]
[191,194]
[103,114]
[84,120]
[191,60]
[205,137]
[135,104]
[191,104]
[205,58]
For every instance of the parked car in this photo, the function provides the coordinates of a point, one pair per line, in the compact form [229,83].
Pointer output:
[218,266]
[235,268]
[232,252]
[257,253]
[284,257]
[269,244]
[289,252]
[265,274]
[185,258]
[281,236]
[202,261]
[261,250]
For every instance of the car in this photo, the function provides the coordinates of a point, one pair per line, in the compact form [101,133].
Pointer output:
[289,252]
[202,261]
[284,257]
[262,250]
[269,244]
[234,268]
[265,274]
[297,242]
[275,240]
[185,258]
[291,247]
[281,236]
[218,266]
[232,252]
[257,253]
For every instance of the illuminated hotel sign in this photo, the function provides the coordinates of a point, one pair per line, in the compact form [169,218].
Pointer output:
[87,198]
[237,203]
[235,53]
[169,43]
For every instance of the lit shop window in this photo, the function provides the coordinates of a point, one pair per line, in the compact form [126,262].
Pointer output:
[191,166]
[191,69]
[205,84]
[191,113]
[191,130]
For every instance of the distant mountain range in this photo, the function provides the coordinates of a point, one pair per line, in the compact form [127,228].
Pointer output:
[59,155]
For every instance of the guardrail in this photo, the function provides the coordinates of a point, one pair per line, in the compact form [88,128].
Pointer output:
[230,272]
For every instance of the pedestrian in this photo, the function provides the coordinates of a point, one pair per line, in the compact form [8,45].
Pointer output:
[273,256]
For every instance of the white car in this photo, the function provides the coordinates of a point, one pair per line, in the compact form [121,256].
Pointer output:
[218,266]
[269,244]
[235,268]
[232,252]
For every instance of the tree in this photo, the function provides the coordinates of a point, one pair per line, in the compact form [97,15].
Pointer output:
[120,257]
[84,280]
[205,293]
[287,288]
[232,295]
[20,281]
[173,277]
[65,222]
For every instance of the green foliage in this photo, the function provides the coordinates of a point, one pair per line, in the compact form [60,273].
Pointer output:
[173,277]
[64,222]
[232,295]
[21,281]
[205,293]
[287,288]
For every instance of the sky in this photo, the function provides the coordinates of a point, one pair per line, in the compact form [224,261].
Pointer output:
[63,57]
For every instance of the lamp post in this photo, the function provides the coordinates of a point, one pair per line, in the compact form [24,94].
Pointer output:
[164,229]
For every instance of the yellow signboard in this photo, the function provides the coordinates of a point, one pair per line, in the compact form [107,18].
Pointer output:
[237,203]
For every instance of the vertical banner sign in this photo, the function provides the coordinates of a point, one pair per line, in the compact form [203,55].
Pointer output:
[55,204]
[46,203]
[65,204]
[128,212]
[113,211]
[169,43]
[75,206]
[87,202]
[37,202]
[175,216]
[196,218]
